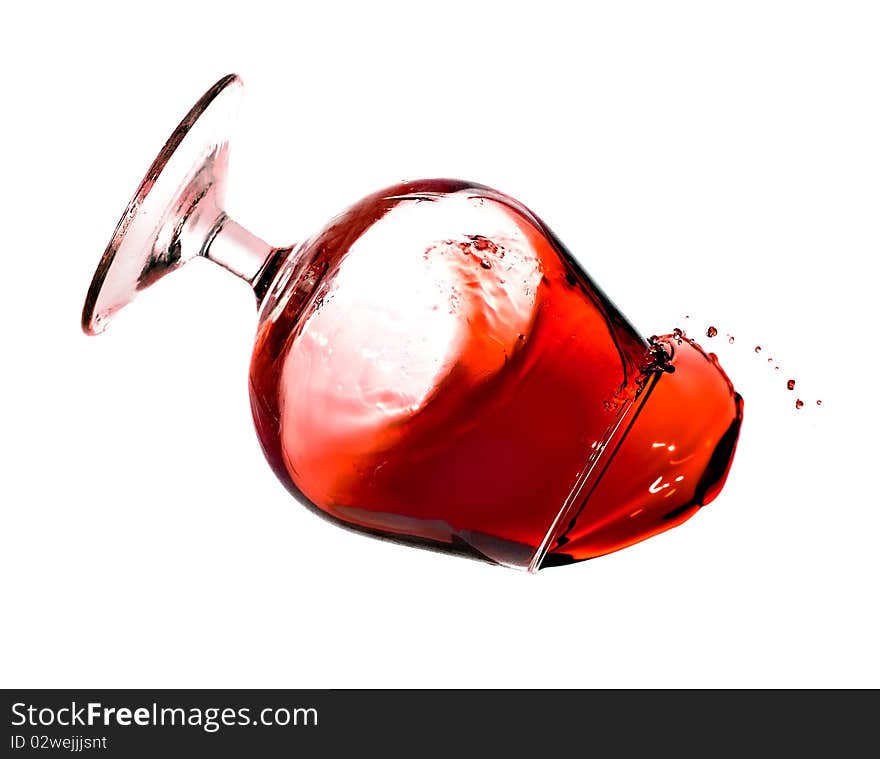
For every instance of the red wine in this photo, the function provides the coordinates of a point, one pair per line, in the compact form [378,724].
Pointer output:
[673,457]
[435,367]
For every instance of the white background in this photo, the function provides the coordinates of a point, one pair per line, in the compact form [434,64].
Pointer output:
[717,160]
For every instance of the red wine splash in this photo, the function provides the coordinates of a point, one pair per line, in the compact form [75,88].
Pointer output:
[712,332]
[444,373]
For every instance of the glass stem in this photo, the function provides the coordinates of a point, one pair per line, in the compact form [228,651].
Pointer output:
[237,250]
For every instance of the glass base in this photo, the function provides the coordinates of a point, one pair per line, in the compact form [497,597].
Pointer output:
[175,212]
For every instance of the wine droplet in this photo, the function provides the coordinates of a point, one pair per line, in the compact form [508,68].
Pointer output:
[712,331]
[482,243]
[485,263]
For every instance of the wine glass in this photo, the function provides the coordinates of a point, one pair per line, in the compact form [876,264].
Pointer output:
[434,367]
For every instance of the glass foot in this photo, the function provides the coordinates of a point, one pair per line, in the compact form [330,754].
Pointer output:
[176,211]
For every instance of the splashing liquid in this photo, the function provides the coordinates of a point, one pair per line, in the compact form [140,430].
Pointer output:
[712,332]
[667,466]
[440,371]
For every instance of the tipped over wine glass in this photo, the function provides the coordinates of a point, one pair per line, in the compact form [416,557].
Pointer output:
[434,366]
